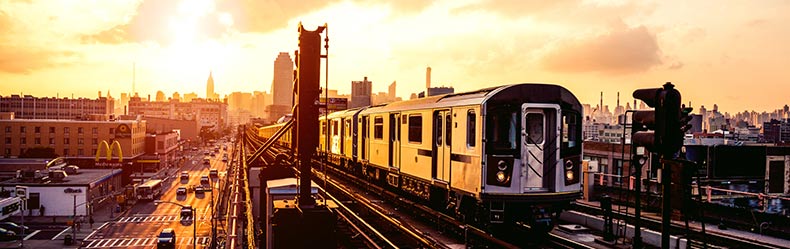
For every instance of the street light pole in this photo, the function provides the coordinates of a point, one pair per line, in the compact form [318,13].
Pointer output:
[22,212]
[74,219]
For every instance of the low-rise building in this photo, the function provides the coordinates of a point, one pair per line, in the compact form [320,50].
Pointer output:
[76,193]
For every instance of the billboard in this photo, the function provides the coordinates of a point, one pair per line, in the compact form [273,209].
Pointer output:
[335,104]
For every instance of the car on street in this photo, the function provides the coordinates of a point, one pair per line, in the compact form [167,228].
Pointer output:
[186,212]
[184,176]
[6,235]
[213,173]
[181,191]
[199,190]
[166,239]
[16,228]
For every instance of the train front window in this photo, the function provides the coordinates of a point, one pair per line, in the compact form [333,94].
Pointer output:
[503,129]
[571,133]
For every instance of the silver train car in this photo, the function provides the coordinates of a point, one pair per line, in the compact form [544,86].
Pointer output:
[494,156]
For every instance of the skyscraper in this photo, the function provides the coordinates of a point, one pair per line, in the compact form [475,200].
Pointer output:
[391,90]
[282,87]
[210,87]
[360,93]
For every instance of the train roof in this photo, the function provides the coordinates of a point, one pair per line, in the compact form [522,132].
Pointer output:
[517,93]
[343,113]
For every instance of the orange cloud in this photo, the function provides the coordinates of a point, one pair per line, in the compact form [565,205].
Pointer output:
[18,60]
[621,51]
[5,24]
[152,23]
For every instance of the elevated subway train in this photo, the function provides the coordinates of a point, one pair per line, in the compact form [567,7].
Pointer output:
[494,156]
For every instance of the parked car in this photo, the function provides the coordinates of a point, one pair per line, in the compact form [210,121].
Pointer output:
[16,228]
[213,173]
[167,239]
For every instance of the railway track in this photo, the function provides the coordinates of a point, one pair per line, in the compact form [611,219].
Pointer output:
[464,234]
[375,217]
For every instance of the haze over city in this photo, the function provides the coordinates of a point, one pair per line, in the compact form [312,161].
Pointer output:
[732,54]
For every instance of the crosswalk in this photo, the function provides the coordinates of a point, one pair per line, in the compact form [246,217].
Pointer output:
[133,242]
[158,218]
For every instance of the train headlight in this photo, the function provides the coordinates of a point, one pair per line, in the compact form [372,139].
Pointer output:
[569,175]
[500,176]
[501,165]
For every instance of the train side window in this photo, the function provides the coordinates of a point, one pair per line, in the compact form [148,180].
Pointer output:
[334,128]
[348,128]
[471,126]
[437,126]
[378,128]
[415,128]
[448,124]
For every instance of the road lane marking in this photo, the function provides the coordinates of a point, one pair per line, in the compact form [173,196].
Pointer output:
[31,234]
[97,229]
[61,232]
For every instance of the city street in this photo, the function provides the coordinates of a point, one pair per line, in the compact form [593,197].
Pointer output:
[141,225]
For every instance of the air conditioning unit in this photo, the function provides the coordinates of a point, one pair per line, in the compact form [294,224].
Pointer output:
[57,175]
[71,169]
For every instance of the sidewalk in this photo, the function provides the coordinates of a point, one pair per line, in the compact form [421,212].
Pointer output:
[101,217]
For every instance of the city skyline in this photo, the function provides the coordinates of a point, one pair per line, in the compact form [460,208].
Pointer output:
[732,56]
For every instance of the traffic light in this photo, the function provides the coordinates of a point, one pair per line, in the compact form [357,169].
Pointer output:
[659,130]
[646,131]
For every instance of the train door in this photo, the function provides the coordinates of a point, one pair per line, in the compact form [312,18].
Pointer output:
[364,139]
[440,169]
[394,144]
[533,139]
[342,136]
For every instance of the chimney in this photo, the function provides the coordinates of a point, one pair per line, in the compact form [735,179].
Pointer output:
[428,78]
[601,104]
[149,97]
[99,94]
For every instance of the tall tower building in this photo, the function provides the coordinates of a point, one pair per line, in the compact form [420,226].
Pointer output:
[428,78]
[360,93]
[210,87]
[282,85]
[391,91]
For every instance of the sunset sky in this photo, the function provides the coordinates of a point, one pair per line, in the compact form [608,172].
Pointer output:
[732,53]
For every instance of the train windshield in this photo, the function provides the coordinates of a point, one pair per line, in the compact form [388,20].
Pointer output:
[503,129]
[571,133]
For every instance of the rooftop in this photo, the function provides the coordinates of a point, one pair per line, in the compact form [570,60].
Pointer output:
[85,177]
